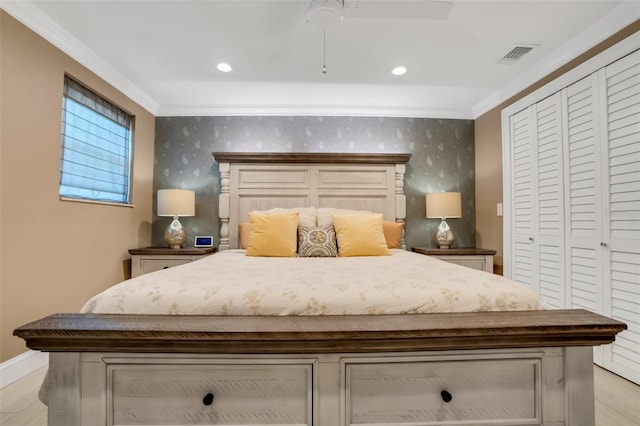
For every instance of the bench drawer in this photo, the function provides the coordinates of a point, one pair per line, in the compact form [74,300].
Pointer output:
[492,392]
[174,394]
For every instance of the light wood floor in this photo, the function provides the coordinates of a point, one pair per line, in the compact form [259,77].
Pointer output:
[617,401]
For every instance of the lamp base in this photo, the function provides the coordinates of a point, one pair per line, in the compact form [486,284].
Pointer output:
[443,235]
[175,236]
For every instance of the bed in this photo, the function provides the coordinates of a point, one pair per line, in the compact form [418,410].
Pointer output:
[317,346]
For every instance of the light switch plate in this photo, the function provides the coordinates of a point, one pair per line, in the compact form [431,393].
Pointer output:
[499,209]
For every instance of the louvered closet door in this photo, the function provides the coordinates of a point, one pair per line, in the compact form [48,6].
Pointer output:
[574,204]
[549,200]
[622,220]
[523,226]
[583,198]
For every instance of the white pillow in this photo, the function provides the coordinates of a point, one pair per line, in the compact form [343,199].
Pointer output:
[324,215]
[306,215]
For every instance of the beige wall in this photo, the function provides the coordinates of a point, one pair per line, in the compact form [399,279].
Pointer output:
[488,148]
[54,255]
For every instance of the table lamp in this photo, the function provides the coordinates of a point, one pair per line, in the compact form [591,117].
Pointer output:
[176,203]
[444,205]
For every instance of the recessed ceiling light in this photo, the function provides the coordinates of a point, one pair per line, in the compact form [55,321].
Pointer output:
[224,67]
[400,70]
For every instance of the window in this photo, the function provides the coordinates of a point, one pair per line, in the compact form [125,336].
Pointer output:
[96,147]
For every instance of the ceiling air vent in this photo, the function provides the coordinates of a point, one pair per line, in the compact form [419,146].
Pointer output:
[516,53]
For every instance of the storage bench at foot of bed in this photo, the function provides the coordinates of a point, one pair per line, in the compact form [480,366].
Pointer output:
[483,387]
[492,368]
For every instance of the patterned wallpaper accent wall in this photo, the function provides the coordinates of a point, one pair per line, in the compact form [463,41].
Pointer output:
[442,160]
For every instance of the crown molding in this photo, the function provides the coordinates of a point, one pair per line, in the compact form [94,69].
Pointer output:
[309,110]
[41,24]
[605,27]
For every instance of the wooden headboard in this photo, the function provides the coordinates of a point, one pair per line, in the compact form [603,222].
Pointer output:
[260,181]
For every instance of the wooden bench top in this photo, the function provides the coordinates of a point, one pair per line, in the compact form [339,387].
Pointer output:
[75,332]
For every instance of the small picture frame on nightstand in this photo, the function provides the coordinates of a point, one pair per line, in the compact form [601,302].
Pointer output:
[203,241]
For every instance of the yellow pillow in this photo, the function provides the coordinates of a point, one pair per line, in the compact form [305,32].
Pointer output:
[273,235]
[244,230]
[360,235]
[393,233]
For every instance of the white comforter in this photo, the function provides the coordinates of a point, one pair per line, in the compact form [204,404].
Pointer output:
[230,283]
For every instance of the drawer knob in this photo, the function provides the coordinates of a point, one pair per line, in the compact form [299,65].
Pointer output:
[166,267]
[446,396]
[208,399]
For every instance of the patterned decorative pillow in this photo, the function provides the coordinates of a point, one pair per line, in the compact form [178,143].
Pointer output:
[317,241]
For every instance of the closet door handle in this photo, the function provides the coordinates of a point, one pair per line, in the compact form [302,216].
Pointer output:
[208,399]
[603,244]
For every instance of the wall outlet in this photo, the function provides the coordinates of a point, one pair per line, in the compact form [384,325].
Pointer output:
[499,209]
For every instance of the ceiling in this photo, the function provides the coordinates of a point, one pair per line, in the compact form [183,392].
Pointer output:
[163,53]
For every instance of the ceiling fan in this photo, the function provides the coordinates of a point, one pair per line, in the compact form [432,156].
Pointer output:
[326,12]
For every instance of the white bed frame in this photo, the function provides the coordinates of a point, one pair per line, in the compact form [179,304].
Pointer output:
[491,368]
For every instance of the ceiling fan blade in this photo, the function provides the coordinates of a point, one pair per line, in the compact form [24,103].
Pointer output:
[399,9]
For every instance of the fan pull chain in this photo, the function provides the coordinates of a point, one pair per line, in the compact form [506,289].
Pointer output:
[324,50]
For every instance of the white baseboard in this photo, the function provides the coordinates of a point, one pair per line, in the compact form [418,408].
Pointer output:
[20,366]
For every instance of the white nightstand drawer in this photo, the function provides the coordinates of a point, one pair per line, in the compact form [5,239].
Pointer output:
[170,394]
[491,392]
[151,259]
[152,265]
[474,262]
[476,258]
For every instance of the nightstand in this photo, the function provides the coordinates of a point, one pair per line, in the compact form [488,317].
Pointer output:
[476,258]
[150,259]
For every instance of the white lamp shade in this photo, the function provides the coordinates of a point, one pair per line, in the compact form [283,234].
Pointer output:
[444,205]
[176,202]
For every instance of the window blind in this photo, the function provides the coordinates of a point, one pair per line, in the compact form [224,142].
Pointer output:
[96,147]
